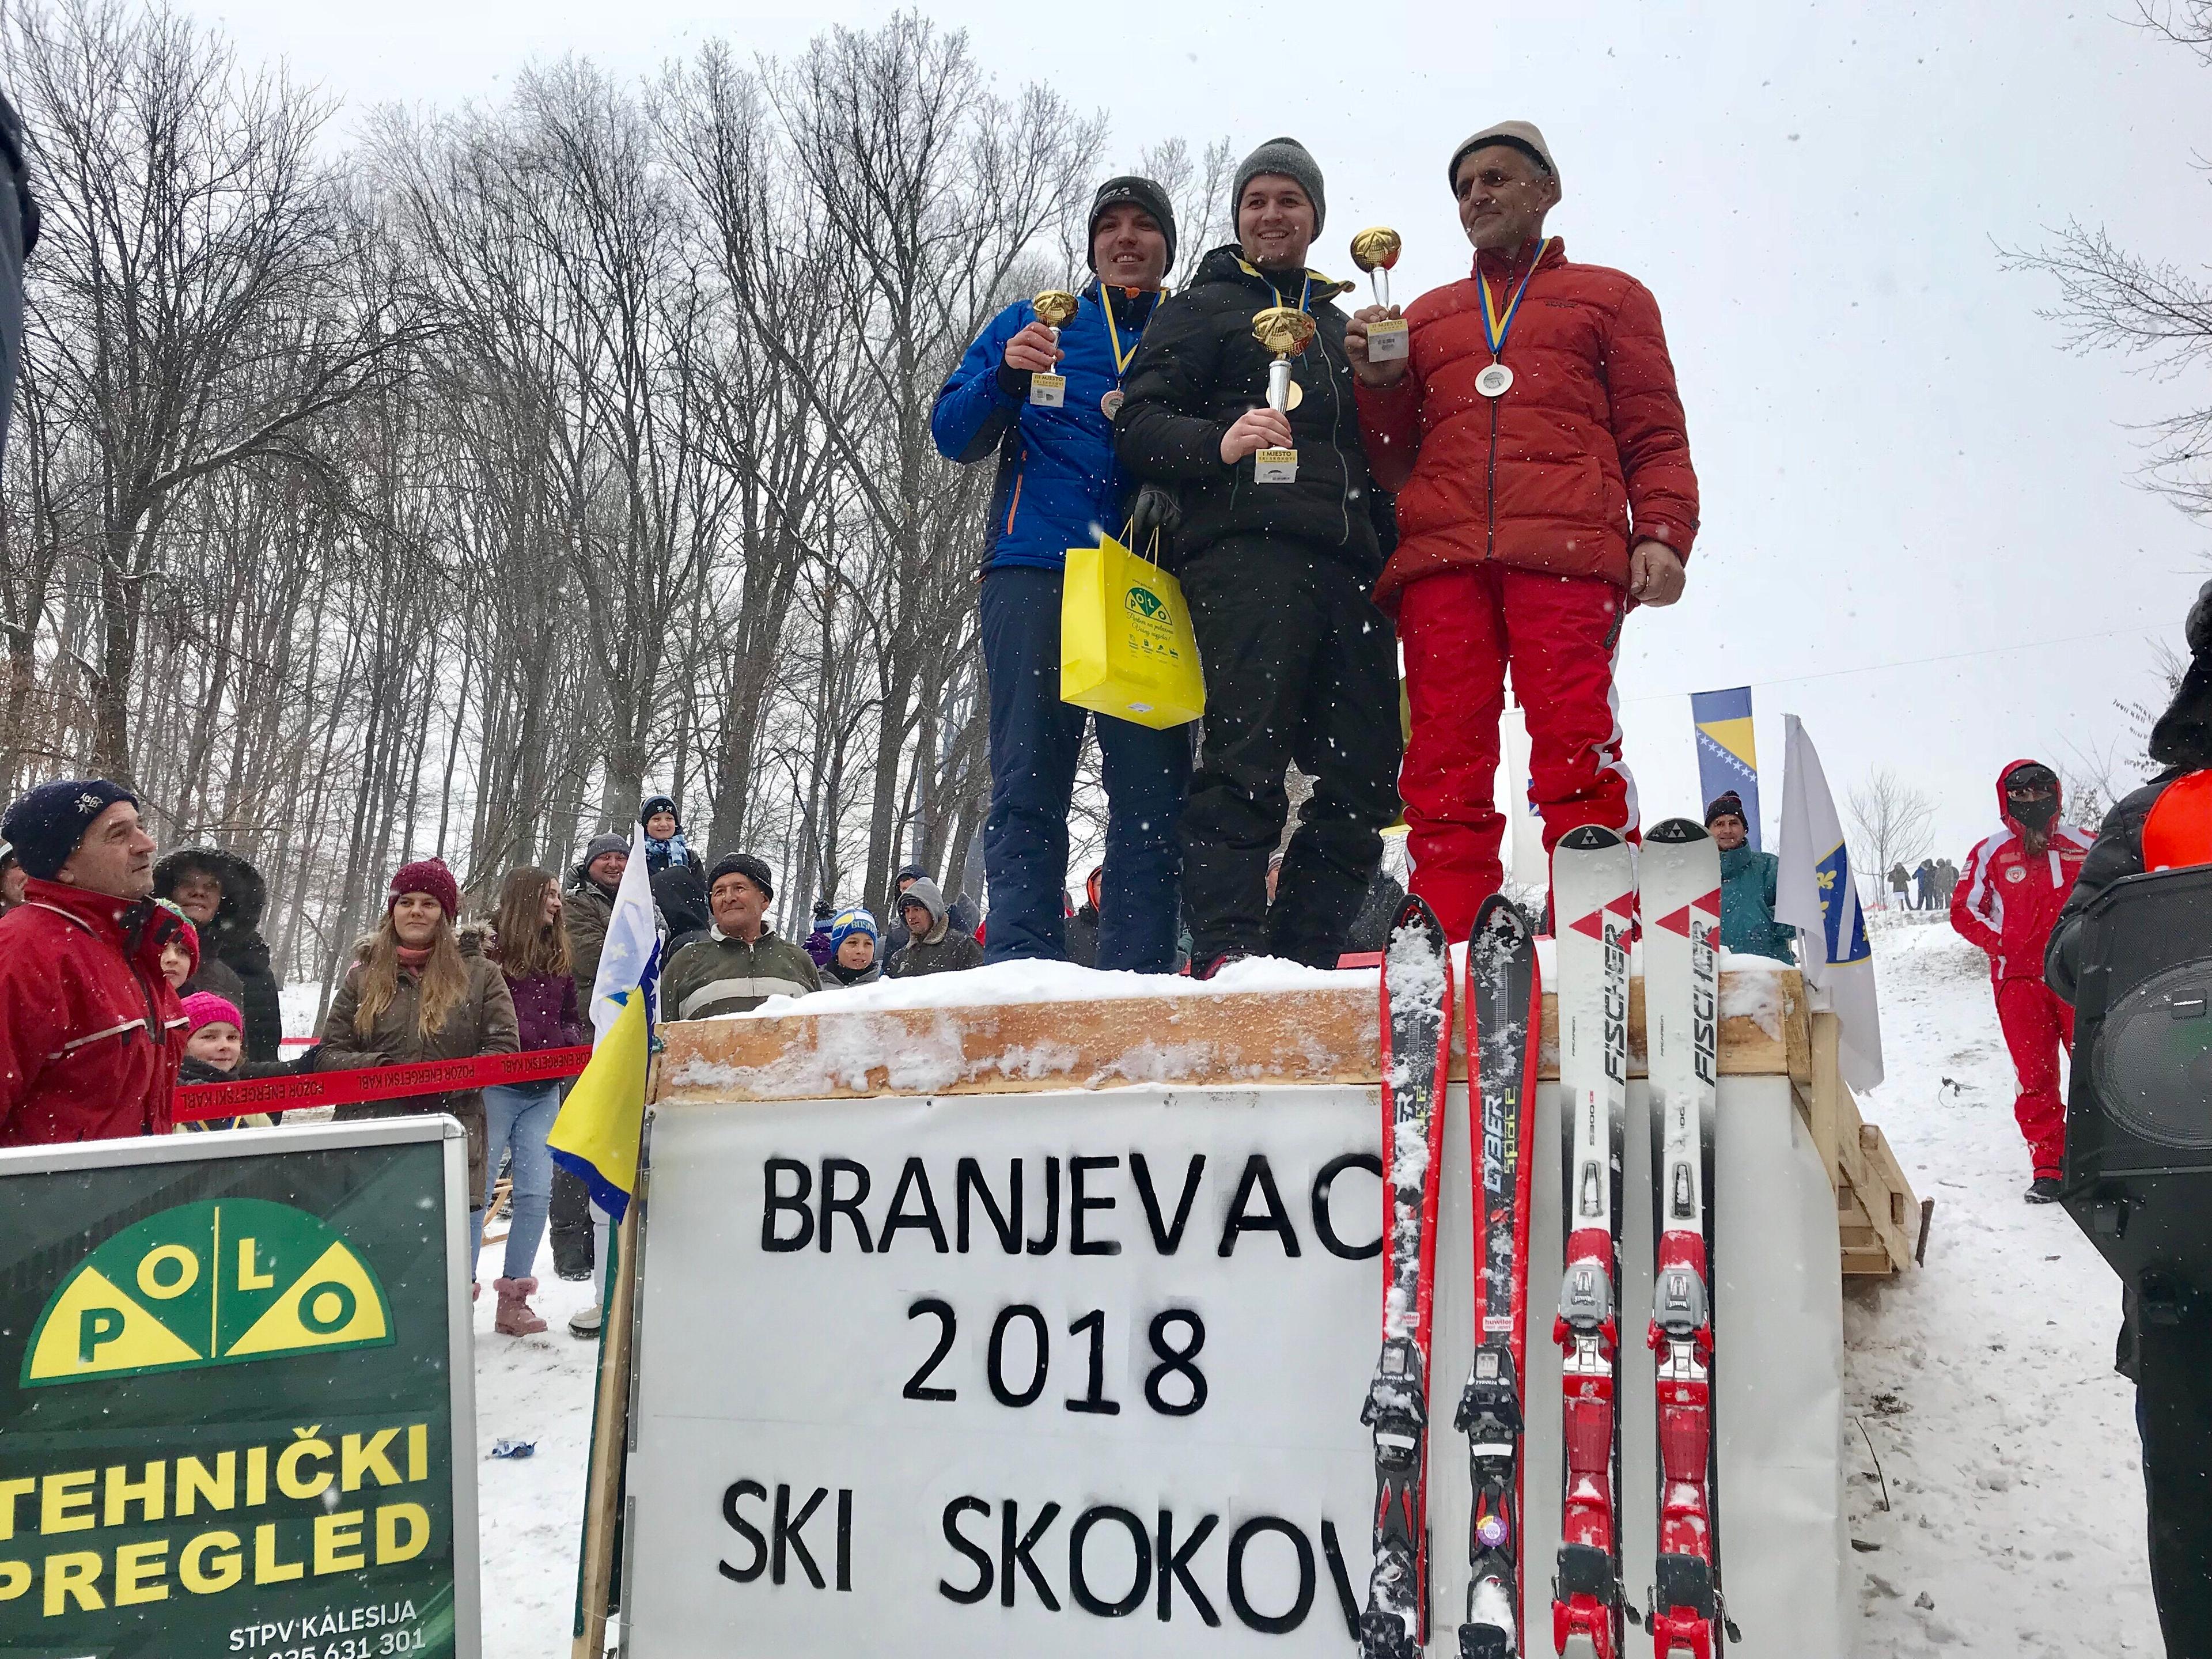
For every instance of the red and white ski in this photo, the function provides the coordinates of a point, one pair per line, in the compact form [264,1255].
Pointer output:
[1681,893]
[1594,900]
[1416,1032]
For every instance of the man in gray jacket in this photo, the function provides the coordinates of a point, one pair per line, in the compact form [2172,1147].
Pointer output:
[741,963]
[935,946]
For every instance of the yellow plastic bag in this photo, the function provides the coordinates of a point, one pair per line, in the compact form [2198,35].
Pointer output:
[1126,647]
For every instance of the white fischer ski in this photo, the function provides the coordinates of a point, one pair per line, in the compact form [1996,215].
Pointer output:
[1681,893]
[1594,898]
[1416,1039]
[1504,1013]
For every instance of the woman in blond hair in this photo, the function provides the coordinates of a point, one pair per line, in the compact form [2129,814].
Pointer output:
[418,992]
[532,948]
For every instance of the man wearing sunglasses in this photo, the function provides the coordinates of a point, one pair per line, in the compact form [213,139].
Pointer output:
[2006,903]
[1534,439]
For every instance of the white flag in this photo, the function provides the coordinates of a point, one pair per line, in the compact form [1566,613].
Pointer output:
[1815,893]
[629,960]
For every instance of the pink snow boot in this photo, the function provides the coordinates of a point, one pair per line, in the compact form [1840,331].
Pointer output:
[514,1317]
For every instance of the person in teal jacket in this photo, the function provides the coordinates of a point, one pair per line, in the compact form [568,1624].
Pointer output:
[1747,877]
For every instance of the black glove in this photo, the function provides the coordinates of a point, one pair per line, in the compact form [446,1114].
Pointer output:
[1157,511]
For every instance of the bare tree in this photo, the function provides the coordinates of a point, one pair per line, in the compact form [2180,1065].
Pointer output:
[937,189]
[1198,190]
[429,496]
[2146,308]
[189,298]
[1893,820]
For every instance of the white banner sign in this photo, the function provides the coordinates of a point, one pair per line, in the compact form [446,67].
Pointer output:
[1080,1374]
[1006,1375]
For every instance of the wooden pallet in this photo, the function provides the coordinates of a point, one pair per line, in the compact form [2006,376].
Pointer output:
[1882,1227]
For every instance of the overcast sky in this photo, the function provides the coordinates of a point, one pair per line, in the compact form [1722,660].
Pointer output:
[1898,461]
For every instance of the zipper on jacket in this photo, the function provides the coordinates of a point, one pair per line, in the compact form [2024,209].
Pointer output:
[1343,469]
[1490,533]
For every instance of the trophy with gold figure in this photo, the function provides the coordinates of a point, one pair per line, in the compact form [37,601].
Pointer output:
[1054,308]
[1286,330]
[1375,251]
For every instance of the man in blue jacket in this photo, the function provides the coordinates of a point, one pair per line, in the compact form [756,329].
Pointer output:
[1059,488]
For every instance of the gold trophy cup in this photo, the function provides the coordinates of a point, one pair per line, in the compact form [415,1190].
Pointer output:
[1054,308]
[1286,330]
[1375,251]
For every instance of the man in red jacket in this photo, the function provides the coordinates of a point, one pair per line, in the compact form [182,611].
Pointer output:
[1535,440]
[2007,901]
[91,1035]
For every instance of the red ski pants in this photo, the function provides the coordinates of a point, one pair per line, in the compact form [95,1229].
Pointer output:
[2036,1025]
[1461,630]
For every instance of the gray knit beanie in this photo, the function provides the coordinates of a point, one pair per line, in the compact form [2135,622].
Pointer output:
[1290,158]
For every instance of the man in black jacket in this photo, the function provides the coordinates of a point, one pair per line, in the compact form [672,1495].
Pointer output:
[2172,1370]
[1299,663]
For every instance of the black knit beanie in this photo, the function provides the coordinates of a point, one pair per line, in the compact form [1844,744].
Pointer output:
[1145,193]
[754,869]
[47,824]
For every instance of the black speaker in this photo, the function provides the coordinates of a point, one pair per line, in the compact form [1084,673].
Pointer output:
[2139,1110]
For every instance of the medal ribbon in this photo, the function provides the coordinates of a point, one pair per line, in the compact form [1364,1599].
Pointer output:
[1304,293]
[1114,335]
[1494,326]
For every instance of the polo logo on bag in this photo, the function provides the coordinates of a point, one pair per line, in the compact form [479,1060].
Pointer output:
[1126,646]
[220,1283]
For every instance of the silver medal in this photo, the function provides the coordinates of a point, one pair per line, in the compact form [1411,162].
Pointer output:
[1493,381]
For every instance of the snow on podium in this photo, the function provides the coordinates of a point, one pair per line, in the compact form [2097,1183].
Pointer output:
[1033,1310]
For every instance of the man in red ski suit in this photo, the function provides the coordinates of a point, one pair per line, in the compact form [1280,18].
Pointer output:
[2008,900]
[1535,439]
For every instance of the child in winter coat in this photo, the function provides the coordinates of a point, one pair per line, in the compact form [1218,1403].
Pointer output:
[665,846]
[214,1054]
[853,946]
[188,969]
[532,948]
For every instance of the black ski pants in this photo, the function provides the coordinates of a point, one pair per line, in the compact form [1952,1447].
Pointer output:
[573,1244]
[1300,666]
[2174,1365]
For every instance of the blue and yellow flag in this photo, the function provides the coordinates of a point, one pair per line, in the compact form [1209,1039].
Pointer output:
[596,1137]
[1727,754]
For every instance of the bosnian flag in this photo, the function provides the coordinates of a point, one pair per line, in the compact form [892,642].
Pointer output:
[597,1135]
[1815,894]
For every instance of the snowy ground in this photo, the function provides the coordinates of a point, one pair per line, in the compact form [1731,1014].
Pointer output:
[1984,1381]
[1983,1384]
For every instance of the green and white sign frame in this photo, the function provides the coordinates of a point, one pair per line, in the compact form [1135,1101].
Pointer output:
[237,1396]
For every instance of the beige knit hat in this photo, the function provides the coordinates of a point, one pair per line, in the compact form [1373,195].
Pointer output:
[1518,135]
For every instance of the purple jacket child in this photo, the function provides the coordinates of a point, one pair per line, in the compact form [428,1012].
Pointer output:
[818,946]
[546,1012]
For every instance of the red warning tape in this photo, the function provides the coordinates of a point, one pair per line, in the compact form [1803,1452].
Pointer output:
[197,1101]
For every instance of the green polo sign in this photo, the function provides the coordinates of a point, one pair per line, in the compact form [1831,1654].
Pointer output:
[229,1398]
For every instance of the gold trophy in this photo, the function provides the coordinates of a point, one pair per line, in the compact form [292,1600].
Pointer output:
[1375,251]
[1054,307]
[1286,330]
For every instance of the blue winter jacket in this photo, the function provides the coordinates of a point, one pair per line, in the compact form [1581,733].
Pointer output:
[1058,484]
[1748,923]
